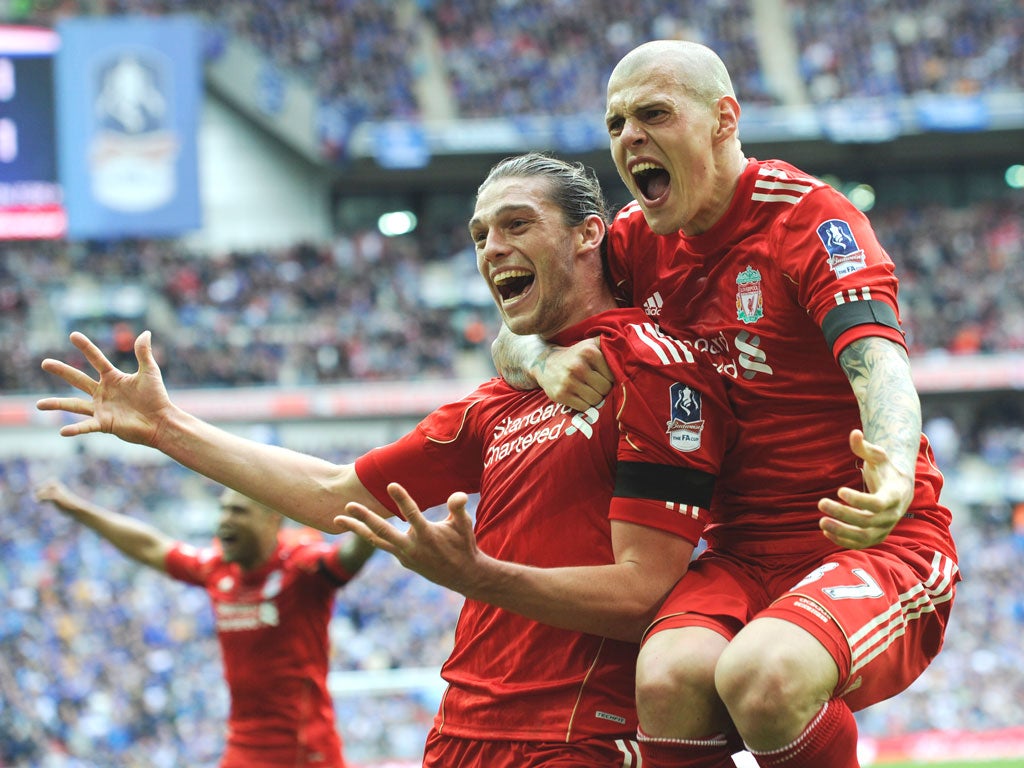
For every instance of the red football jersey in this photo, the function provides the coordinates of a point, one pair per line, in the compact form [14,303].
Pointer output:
[272,626]
[789,276]
[549,479]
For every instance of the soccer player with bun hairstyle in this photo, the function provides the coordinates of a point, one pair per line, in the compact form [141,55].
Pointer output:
[272,601]
[830,569]
[585,519]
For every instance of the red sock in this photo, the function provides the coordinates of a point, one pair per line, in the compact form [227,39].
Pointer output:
[714,752]
[829,740]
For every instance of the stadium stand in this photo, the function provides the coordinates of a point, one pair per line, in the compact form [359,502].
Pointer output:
[864,48]
[359,308]
[497,59]
[309,314]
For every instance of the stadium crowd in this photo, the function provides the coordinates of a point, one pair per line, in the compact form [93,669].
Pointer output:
[538,57]
[104,662]
[351,309]
[961,274]
[355,309]
[857,48]
[363,57]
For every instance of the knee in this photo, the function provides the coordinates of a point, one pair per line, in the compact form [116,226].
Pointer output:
[772,690]
[661,679]
[673,681]
[755,684]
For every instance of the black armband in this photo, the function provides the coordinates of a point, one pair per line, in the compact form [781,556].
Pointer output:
[664,482]
[854,313]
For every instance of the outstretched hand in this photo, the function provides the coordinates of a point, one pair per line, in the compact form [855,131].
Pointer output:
[129,405]
[444,552]
[55,492]
[577,376]
[861,519]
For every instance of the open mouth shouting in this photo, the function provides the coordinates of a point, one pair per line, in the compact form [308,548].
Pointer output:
[652,181]
[228,538]
[512,285]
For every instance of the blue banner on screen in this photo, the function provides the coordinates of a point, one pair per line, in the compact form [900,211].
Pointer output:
[129,92]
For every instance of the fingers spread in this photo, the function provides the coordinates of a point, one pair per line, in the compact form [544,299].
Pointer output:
[843,536]
[76,378]
[92,353]
[849,515]
[458,513]
[144,350]
[348,522]
[81,428]
[364,522]
[70,404]
[853,527]
[859,500]
[409,509]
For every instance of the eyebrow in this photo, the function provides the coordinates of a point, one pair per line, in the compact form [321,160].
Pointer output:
[502,211]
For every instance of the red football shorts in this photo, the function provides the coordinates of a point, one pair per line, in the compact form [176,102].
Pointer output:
[881,612]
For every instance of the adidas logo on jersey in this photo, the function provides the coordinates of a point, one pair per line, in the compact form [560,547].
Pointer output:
[653,304]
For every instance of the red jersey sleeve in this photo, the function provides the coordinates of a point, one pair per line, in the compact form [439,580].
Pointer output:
[320,557]
[675,426]
[190,564]
[842,275]
[440,456]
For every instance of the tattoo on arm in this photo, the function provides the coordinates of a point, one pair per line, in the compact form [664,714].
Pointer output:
[514,356]
[890,409]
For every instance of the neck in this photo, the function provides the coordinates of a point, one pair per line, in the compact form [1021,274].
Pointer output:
[727,179]
[597,304]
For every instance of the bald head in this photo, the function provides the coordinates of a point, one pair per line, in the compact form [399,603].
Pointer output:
[673,125]
[696,68]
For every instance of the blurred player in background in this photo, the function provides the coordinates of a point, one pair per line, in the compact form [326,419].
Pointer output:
[585,520]
[272,601]
[830,570]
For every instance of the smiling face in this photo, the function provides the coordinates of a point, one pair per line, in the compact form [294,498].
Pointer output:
[672,124]
[530,256]
[247,531]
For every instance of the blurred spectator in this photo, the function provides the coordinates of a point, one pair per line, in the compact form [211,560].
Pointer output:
[961,274]
[857,48]
[543,58]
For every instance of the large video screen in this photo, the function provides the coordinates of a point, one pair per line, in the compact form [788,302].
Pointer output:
[31,201]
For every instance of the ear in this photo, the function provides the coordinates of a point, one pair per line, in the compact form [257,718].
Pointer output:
[728,110]
[591,232]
